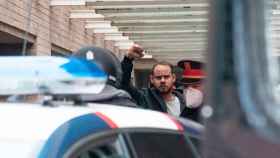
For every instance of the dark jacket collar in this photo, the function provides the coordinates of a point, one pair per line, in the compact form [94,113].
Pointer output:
[156,94]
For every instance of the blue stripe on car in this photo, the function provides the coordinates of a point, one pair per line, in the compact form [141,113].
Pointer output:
[69,133]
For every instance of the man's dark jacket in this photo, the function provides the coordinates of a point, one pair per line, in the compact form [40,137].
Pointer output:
[148,98]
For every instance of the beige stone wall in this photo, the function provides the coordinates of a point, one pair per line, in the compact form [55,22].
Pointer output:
[68,33]
[50,27]
[14,14]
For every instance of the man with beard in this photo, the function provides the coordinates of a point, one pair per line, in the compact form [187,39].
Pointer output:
[161,95]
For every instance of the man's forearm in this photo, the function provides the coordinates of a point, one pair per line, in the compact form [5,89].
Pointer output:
[127,66]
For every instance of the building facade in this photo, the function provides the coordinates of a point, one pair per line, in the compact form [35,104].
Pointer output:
[37,28]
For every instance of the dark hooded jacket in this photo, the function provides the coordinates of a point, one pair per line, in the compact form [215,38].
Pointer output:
[148,98]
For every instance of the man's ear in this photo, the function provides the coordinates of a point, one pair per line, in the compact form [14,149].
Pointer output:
[151,79]
[174,77]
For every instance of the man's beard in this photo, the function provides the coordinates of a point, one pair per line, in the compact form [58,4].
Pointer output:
[164,89]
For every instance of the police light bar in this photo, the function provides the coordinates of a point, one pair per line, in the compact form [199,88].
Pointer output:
[54,75]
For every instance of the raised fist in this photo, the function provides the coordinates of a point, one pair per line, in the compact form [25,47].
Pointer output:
[135,52]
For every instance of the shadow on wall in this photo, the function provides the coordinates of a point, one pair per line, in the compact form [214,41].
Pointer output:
[14,49]
[141,78]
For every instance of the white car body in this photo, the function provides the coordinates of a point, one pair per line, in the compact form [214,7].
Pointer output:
[25,128]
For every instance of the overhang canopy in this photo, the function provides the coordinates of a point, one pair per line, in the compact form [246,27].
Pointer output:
[167,29]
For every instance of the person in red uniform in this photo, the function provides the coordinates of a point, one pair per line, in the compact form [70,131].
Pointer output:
[192,87]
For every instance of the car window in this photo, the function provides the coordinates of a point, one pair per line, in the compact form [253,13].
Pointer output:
[159,145]
[109,146]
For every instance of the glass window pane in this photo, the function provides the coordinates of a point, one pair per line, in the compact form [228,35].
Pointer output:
[160,145]
[106,147]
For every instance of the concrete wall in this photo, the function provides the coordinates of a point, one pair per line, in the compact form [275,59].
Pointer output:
[50,28]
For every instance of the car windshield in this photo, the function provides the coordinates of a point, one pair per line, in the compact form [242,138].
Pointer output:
[49,75]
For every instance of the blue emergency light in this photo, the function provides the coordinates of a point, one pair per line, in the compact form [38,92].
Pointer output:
[56,75]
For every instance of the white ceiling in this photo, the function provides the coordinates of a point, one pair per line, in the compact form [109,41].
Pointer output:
[167,29]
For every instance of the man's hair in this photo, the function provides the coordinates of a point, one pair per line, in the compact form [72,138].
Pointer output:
[165,63]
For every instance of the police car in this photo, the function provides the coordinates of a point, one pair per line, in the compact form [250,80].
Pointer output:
[60,128]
